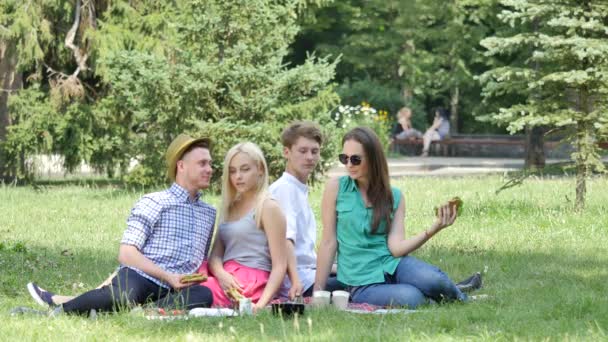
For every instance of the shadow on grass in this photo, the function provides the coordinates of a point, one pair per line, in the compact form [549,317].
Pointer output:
[554,170]
[52,268]
[506,269]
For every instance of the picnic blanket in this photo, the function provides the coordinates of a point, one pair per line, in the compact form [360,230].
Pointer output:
[360,308]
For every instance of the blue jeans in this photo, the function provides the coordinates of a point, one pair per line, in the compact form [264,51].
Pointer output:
[413,283]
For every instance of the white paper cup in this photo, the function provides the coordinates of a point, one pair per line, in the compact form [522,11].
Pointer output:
[340,299]
[321,298]
[245,306]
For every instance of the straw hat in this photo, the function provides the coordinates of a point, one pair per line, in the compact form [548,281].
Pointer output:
[176,150]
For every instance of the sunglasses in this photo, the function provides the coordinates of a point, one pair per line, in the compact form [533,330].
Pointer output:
[354,159]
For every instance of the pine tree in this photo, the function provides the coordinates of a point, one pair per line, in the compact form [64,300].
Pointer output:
[563,82]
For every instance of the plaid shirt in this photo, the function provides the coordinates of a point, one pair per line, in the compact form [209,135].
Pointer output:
[171,230]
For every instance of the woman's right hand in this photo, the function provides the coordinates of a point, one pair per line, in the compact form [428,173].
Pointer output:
[227,281]
[446,215]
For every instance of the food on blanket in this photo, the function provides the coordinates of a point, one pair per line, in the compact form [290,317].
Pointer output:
[194,278]
[162,314]
[234,294]
[455,203]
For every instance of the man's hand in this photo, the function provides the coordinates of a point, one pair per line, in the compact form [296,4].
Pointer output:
[175,281]
[296,290]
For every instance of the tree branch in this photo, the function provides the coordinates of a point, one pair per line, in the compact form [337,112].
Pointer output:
[81,58]
[92,15]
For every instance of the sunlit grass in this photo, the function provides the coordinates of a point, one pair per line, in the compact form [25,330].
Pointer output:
[544,266]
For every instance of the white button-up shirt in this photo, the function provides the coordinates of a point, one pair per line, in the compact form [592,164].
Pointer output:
[292,196]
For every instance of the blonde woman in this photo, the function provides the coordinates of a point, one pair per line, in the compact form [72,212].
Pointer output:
[249,252]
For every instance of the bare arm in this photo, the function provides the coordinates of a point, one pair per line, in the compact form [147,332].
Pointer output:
[292,271]
[129,255]
[399,246]
[216,266]
[328,246]
[436,123]
[108,280]
[273,223]
[288,202]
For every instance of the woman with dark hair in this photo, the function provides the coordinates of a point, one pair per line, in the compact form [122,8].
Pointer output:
[438,130]
[363,221]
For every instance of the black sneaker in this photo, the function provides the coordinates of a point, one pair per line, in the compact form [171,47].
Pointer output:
[41,296]
[470,284]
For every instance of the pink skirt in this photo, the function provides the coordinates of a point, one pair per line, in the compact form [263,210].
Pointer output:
[253,281]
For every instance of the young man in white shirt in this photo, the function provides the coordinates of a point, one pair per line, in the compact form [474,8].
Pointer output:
[301,148]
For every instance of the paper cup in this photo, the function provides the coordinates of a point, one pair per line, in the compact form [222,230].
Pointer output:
[245,306]
[340,299]
[321,298]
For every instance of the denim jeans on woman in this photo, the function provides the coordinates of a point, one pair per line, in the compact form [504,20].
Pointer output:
[413,283]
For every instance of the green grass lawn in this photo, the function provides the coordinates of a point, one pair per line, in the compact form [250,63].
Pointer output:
[544,266]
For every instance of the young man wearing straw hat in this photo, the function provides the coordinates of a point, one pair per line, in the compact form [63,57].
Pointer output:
[167,237]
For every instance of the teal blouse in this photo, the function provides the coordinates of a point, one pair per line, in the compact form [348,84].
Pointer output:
[363,258]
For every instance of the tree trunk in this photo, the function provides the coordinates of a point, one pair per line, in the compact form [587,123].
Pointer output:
[454,98]
[584,139]
[581,185]
[10,81]
[535,148]
[585,146]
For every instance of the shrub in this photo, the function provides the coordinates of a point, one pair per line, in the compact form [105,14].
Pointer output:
[348,117]
[382,96]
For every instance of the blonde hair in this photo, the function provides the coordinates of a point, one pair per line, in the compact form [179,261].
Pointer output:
[229,195]
[402,111]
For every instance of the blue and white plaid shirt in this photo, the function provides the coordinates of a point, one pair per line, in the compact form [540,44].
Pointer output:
[171,230]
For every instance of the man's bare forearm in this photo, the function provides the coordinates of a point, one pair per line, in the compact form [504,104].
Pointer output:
[130,256]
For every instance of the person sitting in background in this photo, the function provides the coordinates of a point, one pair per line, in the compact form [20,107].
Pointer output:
[438,130]
[403,129]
